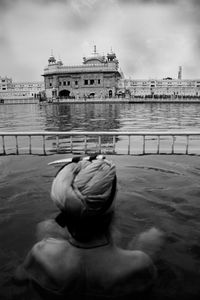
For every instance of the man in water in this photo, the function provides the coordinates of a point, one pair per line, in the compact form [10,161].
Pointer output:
[76,257]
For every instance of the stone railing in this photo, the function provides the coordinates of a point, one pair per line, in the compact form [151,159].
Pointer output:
[129,143]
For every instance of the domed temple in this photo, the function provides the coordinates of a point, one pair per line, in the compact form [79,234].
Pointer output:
[97,77]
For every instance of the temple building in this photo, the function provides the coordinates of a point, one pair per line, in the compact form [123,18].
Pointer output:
[97,77]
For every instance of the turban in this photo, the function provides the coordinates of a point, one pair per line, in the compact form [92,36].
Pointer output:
[86,188]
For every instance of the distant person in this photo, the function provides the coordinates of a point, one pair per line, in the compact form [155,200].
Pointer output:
[76,257]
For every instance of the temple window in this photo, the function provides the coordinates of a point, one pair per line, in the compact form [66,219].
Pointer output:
[76,82]
[99,81]
[64,82]
[85,82]
[92,81]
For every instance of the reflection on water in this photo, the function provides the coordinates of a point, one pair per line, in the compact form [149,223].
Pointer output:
[100,117]
[127,117]
[162,190]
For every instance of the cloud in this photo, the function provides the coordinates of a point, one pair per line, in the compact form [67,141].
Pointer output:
[151,37]
[84,14]
[163,2]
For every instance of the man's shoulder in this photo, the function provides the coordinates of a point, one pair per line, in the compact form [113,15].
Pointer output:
[138,272]
[137,263]
[140,258]
[136,256]
[54,259]
[140,262]
[50,248]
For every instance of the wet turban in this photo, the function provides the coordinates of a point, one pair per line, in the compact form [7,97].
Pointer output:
[86,188]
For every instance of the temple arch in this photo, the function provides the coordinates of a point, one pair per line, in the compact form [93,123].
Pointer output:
[92,95]
[64,94]
[110,93]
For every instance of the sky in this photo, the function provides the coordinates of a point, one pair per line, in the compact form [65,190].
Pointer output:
[151,38]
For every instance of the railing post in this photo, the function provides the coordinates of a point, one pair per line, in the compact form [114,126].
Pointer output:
[30,150]
[129,144]
[143,144]
[4,148]
[85,144]
[57,143]
[99,144]
[114,142]
[17,148]
[173,142]
[187,145]
[71,143]
[44,149]
[158,149]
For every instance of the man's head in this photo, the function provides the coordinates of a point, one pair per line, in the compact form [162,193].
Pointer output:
[84,191]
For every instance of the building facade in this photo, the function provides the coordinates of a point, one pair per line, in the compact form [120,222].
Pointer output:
[5,83]
[97,77]
[28,88]
[159,88]
[20,90]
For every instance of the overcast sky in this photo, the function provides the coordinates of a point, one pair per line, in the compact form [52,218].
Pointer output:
[151,38]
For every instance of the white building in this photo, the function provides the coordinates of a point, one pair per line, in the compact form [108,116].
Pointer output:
[12,91]
[5,83]
[30,88]
[166,87]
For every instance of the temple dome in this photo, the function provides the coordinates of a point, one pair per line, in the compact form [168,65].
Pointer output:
[111,56]
[59,62]
[51,59]
[95,58]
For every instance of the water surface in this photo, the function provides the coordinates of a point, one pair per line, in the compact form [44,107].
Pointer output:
[161,191]
[101,117]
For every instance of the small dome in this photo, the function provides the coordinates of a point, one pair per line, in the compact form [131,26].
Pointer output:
[111,56]
[52,59]
[59,62]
